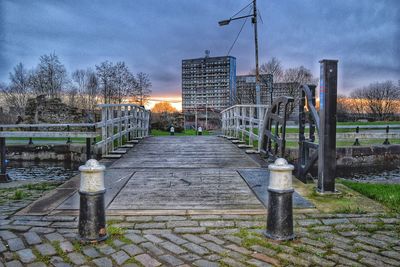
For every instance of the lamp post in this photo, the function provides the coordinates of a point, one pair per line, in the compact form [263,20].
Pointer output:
[254,21]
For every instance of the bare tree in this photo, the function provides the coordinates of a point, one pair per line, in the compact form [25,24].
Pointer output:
[143,88]
[105,74]
[50,76]
[380,99]
[274,67]
[17,93]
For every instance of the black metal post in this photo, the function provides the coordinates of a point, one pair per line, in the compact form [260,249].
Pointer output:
[386,142]
[3,173]
[327,134]
[30,138]
[88,145]
[357,142]
[69,139]
[280,215]
[92,218]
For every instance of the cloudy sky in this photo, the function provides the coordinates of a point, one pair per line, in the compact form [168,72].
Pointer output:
[153,36]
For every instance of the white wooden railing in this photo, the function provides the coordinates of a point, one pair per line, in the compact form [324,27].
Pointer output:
[121,122]
[244,122]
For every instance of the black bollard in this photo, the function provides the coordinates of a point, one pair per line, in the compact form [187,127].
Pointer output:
[92,218]
[280,201]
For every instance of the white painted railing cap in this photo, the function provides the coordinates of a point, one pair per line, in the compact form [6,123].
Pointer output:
[92,165]
[281,164]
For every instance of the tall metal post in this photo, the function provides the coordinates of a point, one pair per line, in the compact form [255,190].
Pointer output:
[254,21]
[327,134]
[3,173]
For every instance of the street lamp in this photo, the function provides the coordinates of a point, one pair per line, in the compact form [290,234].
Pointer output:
[254,21]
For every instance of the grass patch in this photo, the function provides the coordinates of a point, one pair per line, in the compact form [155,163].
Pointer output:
[387,194]
[114,231]
[19,194]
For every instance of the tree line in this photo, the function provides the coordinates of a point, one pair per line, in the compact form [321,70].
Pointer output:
[109,83]
[377,101]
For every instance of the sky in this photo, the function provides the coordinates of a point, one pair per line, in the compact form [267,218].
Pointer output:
[153,36]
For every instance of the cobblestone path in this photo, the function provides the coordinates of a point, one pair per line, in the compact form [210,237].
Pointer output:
[203,240]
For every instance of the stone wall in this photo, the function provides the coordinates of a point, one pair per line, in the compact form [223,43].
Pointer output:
[43,110]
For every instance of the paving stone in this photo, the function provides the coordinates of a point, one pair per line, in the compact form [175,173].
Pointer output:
[214,247]
[194,238]
[46,249]
[239,249]
[173,248]
[213,239]
[365,220]
[257,263]
[308,222]
[190,257]
[32,238]
[175,239]
[8,256]
[173,224]
[266,259]
[120,257]
[156,231]
[54,237]
[13,263]
[345,226]
[213,257]
[205,217]
[386,238]
[346,253]
[17,228]
[223,231]
[152,248]
[132,249]
[59,218]
[15,244]
[263,250]
[392,254]
[232,262]
[2,247]
[216,224]
[319,261]
[365,247]
[379,258]
[295,260]
[26,255]
[147,261]
[103,262]
[43,230]
[37,264]
[170,260]
[153,239]
[340,259]
[5,235]
[32,223]
[106,249]
[390,220]
[66,246]
[72,225]
[250,224]
[117,243]
[205,263]
[335,221]
[196,248]
[190,230]
[149,225]
[372,241]
[371,262]
[323,228]
[77,258]
[137,239]
[313,242]
[352,233]
[169,218]
[91,252]
[138,218]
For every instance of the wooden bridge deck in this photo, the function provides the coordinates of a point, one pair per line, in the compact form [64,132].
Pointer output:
[168,173]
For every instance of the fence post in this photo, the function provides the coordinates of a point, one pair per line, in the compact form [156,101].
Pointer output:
[30,138]
[68,139]
[3,174]
[357,142]
[386,142]
[327,135]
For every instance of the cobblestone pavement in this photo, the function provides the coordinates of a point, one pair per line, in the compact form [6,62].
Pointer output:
[203,240]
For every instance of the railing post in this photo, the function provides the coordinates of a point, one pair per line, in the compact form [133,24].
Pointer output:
[30,138]
[327,134]
[119,115]
[251,126]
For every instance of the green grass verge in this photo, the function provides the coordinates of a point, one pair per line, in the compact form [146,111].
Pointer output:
[387,194]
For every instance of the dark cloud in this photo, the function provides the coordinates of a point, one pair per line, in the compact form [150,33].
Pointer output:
[154,36]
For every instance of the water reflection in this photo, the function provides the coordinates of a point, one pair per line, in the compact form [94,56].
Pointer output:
[41,171]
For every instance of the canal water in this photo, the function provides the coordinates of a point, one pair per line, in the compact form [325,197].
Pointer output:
[41,171]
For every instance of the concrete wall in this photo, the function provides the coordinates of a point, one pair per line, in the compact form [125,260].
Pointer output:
[358,158]
[67,152]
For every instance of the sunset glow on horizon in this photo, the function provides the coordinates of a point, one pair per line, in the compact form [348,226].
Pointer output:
[175,101]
